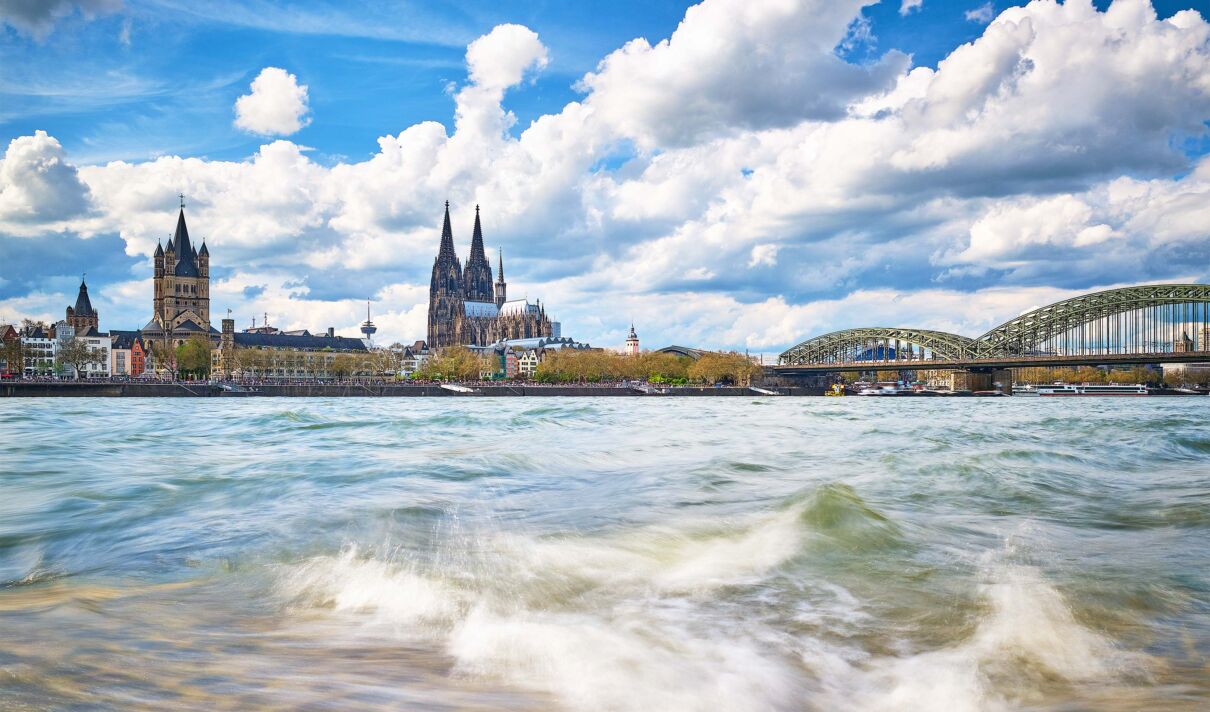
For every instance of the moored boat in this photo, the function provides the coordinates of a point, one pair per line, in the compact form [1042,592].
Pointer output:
[1093,389]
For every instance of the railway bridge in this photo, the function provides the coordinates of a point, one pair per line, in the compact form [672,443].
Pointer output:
[1131,325]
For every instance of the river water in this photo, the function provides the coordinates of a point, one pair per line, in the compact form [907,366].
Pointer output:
[605,554]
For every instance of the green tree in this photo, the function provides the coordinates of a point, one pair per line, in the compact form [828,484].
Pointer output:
[456,363]
[193,356]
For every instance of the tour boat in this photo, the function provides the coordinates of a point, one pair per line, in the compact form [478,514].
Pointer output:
[1132,389]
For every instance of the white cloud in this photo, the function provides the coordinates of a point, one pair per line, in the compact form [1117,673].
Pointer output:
[277,105]
[755,180]
[733,64]
[982,14]
[908,6]
[500,58]
[38,187]
[763,256]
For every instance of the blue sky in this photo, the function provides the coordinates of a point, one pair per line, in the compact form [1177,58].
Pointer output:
[753,177]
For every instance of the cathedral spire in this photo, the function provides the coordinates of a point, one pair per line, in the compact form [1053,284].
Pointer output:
[477,239]
[447,236]
[501,289]
[477,277]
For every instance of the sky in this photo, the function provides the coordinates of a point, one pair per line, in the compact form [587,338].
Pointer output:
[727,174]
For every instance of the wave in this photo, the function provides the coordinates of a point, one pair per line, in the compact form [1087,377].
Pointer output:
[652,618]
[1027,644]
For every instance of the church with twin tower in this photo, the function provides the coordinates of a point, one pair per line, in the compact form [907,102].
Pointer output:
[466,308]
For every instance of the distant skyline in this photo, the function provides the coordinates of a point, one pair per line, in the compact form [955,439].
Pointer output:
[728,174]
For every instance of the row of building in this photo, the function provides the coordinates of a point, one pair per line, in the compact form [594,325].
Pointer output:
[467,307]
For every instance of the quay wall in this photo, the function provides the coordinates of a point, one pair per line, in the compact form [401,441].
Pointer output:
[203,390]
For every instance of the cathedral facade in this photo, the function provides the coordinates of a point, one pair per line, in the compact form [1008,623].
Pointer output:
[181,305]
[468,308]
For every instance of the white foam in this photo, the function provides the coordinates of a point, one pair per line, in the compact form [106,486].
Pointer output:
[614,623]
[644,621]
[1028,634]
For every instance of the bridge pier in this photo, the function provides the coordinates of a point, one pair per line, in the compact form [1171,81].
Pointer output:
[983,379]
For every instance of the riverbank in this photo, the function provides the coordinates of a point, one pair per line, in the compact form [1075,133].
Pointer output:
[106,389]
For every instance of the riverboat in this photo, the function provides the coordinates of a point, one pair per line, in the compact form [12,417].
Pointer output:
[1094,389]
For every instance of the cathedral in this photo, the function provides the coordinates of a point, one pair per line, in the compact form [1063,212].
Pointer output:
[467,308]
[182,289]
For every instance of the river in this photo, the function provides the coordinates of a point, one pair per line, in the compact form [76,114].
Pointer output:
[605,554]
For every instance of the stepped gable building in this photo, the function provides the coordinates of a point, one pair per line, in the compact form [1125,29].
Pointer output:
[181,307]
[467,308]
[83,316]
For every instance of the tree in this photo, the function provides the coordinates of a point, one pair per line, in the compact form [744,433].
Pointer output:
[14,355]
[77,354]
[734,368]
[457,363]
[193,356]
[165,357]
[343,366]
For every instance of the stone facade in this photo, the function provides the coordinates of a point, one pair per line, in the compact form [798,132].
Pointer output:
[181,304]
[466,308]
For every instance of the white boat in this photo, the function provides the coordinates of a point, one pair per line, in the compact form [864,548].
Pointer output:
[1132,389]
[1026,390]
[881,389]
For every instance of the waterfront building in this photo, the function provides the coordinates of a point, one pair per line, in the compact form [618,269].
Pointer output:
[265,354]
[632,342]
[181,301]
[412,358]
[128,356]
[38,349]
[99,343]
[521,357]
[527,363]
[467,308]
[10,350]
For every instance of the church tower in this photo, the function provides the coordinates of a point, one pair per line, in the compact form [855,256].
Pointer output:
[501,286]
[632,342]
[446,293]
[182,285]
[83,315]
[477,279]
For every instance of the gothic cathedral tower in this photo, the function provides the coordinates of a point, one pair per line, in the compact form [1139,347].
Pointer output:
[477,279]
[182,284]
[446,293]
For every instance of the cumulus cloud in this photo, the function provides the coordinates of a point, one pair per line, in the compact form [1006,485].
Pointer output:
[982,14]
[277,105]
[38,187]
[737,184]
[500,58]
[909,6]
[38,17]
[733,64]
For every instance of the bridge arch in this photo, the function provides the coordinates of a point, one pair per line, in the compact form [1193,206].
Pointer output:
[880,345]
[1129,324]
[1125,320]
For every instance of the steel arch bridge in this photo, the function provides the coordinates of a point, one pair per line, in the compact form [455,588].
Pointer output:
[1140,324]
